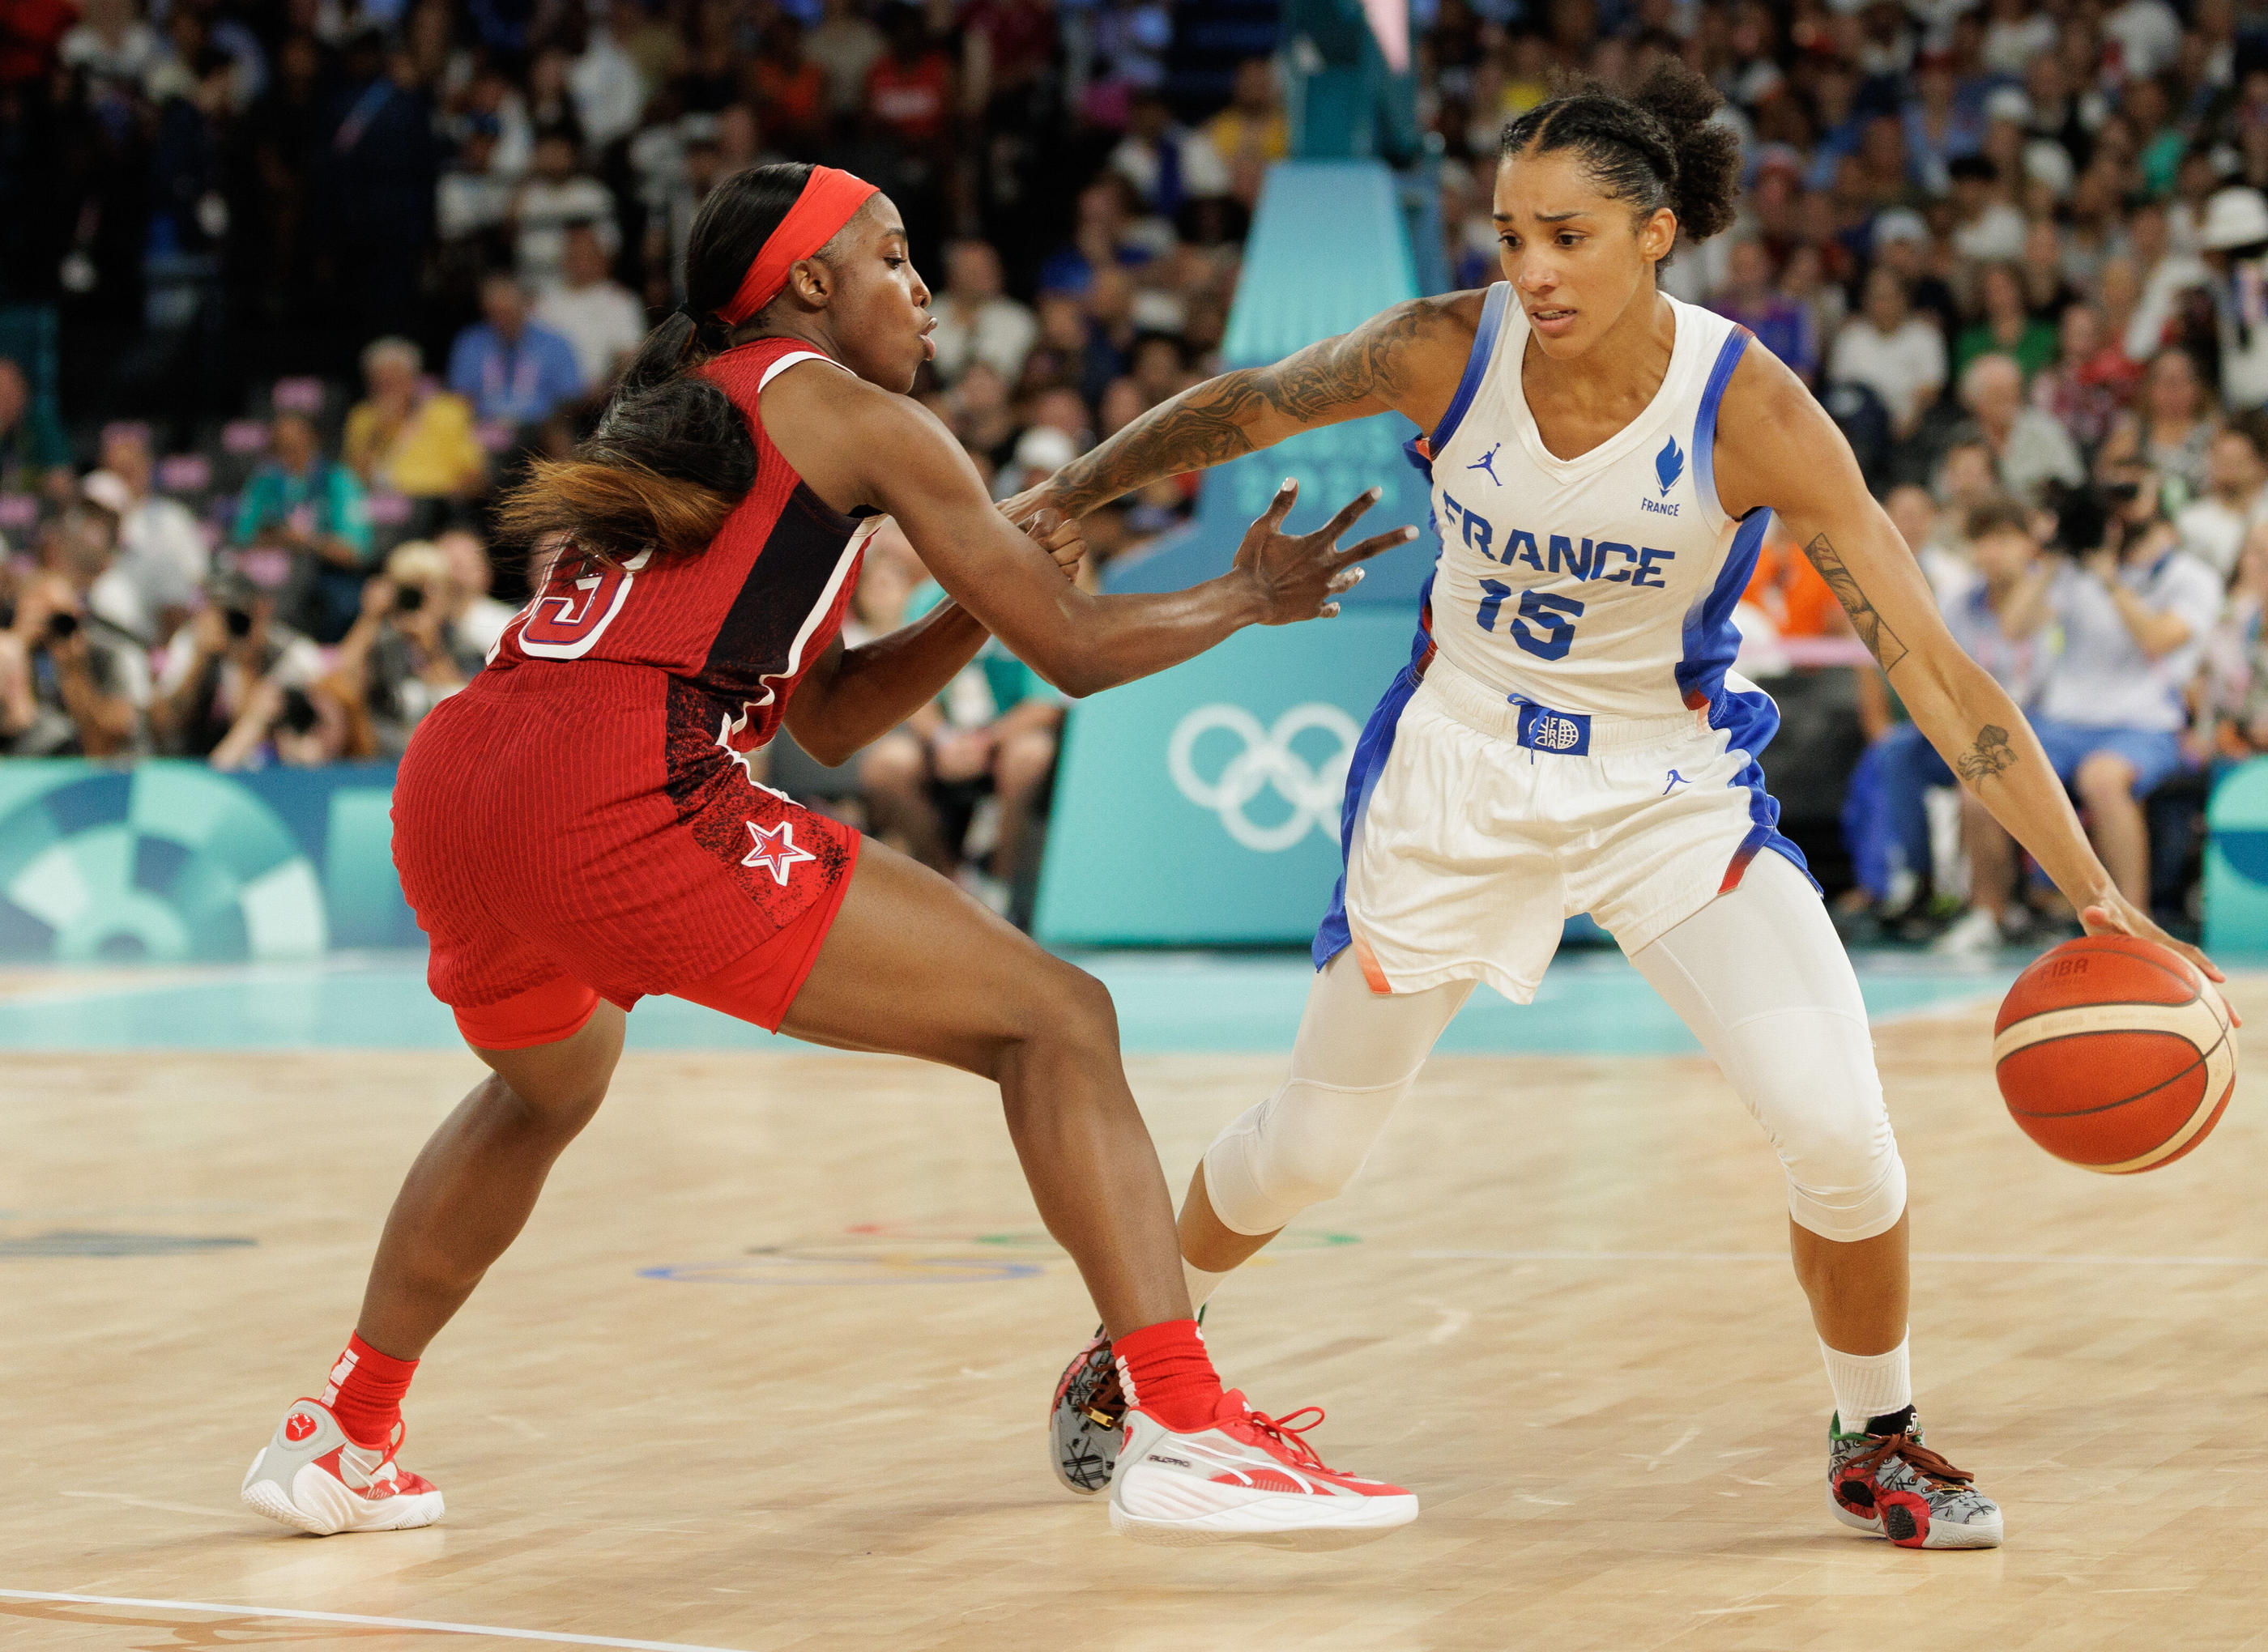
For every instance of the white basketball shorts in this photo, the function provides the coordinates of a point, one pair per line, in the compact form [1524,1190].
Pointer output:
[1476,826]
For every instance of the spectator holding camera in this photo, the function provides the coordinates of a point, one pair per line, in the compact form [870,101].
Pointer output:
[233,646]
[310,509]
[399,660]
[72,684]
[2134,612]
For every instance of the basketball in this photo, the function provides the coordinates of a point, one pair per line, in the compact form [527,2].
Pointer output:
[2114,1053]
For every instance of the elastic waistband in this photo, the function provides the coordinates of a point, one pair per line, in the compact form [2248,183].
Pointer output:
[1544,728]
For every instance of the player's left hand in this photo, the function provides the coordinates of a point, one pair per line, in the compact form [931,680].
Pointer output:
[1058,534]
[2115,914]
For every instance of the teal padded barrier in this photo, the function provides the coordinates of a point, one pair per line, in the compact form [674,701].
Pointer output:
[171,862]
[2236,861]
[1201,806]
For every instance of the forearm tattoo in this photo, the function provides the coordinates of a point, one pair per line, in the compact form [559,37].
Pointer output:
[1881,641]
[1206,424]
[1990,755]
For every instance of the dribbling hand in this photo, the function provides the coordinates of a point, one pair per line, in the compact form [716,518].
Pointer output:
[1301,575]
[2115,914]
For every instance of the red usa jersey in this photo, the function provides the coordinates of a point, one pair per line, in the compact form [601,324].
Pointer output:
[735,627]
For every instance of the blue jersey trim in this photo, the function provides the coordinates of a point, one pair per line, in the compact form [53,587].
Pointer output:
[1705,421]
[1475,366]
[1712,641]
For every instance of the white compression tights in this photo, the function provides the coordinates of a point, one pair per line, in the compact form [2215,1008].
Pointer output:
[1758,974]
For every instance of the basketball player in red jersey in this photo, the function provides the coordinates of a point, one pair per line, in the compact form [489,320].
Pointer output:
[582,827]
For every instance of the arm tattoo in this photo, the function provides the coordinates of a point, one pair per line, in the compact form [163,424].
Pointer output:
[1881,641]
[1990,755]
[1205,425]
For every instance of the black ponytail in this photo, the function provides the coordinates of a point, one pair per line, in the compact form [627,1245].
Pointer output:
[672,456]
[1657,148]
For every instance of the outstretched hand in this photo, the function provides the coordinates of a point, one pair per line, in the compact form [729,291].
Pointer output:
[1300,576]
[2115,914]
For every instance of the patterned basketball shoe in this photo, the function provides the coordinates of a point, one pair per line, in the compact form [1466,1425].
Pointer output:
[313,1478]
[1892,1486]
[1088,1422]
[1246,1479]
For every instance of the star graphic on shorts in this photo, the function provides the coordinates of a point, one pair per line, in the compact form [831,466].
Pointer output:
[775,850]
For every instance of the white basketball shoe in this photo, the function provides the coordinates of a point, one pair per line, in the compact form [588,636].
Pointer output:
[1245,1479]
[312,1479]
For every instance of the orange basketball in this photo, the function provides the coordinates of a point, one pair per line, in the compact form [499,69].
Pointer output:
[2114,1053]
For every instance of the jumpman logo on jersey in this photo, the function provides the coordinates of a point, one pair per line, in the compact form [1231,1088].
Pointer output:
[1487,462]
[1676,781]
[775,850]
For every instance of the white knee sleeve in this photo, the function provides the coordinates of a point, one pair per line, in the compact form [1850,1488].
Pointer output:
[1300,1147]
[1762,978]
[1357,1055]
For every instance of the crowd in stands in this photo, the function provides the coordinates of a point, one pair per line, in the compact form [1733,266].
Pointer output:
[2019,247]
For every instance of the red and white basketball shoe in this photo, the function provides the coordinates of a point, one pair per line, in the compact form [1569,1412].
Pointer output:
[313,1478]
[1246,1479]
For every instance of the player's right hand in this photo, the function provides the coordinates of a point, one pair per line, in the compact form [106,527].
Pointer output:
[1301,576]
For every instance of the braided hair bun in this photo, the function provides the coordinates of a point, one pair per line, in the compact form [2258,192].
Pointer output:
[1659,148]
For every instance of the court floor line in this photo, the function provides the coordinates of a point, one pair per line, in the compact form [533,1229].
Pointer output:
[2016,1258]
[545,1636]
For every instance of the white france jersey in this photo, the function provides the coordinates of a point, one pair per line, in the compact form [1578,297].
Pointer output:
[1601,585]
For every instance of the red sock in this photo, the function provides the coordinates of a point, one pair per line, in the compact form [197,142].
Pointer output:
[365,1392]
[1164,1370]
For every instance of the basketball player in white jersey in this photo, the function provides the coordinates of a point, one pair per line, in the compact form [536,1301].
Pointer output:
[1569,737]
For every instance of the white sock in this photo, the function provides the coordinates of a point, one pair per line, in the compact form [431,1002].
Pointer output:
[1868,1386]
[1201,1283]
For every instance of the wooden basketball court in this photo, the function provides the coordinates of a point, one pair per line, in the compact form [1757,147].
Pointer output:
[769,1368]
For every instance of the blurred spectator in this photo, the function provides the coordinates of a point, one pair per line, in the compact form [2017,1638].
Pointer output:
[554,195]
[72,684]
[991,736]
[162,558]
[1781,325]
[302,515]
[2000,595]
[1893,352]
[2026,447]
[34,457]
[232,647]
[596,314]
[508,365]
[975,320]
[2235,714]
[2167,273]
[2091,381]
[610,91]
[407,435]
[2170,429]
[912,89]
[844,45]
[1251,132]
[788,88]
[1987,228]
[477,619]
[474,196]
[1914,514]
[2212,527]
[1169,164]
[2005,326]
[400,659]
[2235,241]
[2134,612]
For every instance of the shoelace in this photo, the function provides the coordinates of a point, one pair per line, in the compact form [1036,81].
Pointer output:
[1914,1454]
[1289,1432]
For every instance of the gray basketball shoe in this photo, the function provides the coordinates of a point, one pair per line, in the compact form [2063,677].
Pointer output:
[1892,1486]
[1087,1423]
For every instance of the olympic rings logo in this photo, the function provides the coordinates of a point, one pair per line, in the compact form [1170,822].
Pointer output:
[1265,761]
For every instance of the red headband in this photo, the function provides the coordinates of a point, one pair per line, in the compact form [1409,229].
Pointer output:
[829,199]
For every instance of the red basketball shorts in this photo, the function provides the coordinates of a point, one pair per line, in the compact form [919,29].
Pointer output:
[571,832]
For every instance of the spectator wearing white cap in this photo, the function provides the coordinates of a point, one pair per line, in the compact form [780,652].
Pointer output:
[2234,239]
[162,558]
